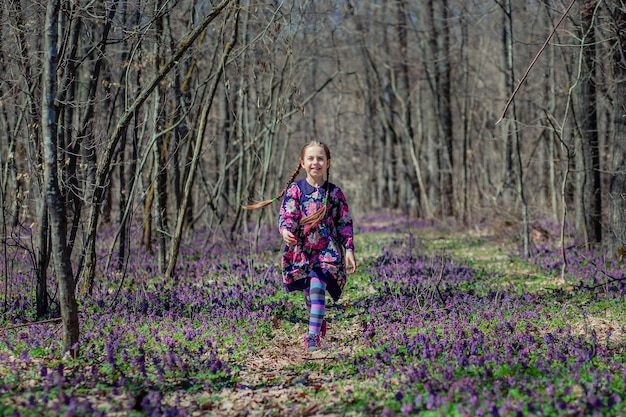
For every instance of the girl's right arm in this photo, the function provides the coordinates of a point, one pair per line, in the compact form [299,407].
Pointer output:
[289,216]
[351,261]
[289,238]
[343,221]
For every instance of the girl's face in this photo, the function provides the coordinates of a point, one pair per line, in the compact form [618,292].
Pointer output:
[315,163]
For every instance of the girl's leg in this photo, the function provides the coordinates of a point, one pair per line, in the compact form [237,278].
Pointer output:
[318,305]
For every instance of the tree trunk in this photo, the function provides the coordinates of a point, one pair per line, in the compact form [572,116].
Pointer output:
[146,236]
[589,167]
[403,93]
[445,95]
[160,150]
[68,94]
[122,249]
[54,198]
[617,190]
[550,135]
[507,126]
[432,132]
[368,89]
[43,259]
[465,118]
[513,137]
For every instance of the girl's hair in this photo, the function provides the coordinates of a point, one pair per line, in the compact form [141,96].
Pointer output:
[313,219]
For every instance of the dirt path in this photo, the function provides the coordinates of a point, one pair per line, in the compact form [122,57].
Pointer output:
[284,380]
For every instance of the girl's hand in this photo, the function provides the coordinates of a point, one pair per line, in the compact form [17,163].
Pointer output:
[289,237]
[350,261]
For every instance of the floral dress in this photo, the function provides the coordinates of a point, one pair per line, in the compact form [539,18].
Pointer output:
[320,250]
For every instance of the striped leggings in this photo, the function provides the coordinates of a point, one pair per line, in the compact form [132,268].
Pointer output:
[315,298]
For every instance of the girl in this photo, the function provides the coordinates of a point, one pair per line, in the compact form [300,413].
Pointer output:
[316,226]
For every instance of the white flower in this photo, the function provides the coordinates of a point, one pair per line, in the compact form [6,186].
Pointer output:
[290,205]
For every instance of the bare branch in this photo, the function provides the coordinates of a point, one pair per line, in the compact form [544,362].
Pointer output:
[532,64]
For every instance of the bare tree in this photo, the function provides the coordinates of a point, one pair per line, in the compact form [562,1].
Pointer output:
[440,44]
[160,149]
[405,94]
[105,164]
[511,132]
[617,190]
[198,146]
[54,198]
[589,188]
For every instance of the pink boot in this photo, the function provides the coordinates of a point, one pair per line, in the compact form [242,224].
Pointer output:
[312,342]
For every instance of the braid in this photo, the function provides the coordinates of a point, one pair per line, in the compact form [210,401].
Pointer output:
[314,219]
[279,196]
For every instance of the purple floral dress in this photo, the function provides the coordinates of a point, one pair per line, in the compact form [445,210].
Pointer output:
[320,250]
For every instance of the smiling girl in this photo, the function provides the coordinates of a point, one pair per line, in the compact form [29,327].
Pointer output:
[316,226]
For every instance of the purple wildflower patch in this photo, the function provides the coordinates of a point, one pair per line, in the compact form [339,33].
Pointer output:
[416,334]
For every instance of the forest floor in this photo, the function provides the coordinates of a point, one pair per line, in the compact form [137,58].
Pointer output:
[436,321]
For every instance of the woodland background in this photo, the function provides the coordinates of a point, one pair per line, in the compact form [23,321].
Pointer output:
[172,114]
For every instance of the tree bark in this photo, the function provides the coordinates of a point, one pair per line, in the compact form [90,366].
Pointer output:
[445,95]
[68,94]
[617,188]
[368,89]
[589,163]
[403,93]
[507,126]
[43,259]
[160,150]
[513,136]
[54,198]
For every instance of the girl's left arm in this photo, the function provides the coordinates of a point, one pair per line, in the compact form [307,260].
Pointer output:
[343,221]
[351,260]
[345,230]
[290,213]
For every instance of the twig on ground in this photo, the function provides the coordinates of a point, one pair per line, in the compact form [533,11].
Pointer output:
[32,323]
[610,278]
